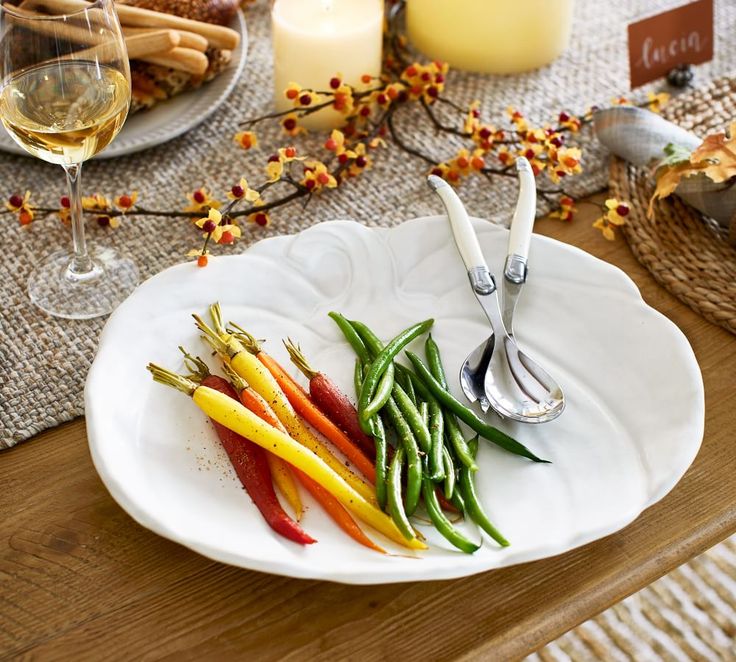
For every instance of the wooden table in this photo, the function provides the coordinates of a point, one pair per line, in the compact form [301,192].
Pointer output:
[80,578]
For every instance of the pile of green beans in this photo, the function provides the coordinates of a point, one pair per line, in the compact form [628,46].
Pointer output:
[432,460]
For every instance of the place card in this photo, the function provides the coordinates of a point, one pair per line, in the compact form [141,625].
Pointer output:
[657,44]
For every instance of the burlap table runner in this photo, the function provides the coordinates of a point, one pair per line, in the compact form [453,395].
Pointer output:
[44,362]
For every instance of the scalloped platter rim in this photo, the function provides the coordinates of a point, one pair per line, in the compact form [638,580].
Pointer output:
[633,424]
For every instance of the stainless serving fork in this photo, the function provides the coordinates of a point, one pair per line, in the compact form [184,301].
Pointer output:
[497,372]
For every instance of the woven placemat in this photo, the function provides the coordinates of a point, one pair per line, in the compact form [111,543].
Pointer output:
[688,254]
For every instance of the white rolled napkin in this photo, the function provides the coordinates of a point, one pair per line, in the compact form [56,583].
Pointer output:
[640,137]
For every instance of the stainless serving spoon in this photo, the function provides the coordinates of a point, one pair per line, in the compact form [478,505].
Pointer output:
[512,383]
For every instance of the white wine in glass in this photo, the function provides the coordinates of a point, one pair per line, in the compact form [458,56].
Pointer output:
[64,96]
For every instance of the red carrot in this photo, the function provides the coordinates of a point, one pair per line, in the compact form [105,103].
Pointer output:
[332,402]
[251,466]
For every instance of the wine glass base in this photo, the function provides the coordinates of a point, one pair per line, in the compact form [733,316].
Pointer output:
[58,291]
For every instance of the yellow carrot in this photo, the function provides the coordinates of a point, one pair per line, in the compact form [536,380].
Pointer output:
[283,479]
[262,382]
[233,415]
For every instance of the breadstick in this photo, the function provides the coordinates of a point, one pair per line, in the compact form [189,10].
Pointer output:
[137,45]
[65,30]
[217,35]
[183,59]
[186,39]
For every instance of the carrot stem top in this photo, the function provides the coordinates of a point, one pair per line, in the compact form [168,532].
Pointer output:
[299,360]
[169,378]
[197,367]
[247,340]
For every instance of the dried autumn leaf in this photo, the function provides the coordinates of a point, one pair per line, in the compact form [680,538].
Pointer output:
[668,178]
[718,154]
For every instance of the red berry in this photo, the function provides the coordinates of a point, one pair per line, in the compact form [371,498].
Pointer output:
[323,178]
[237,191]
[567,201]
[437,172]
[503,157]
[564,117]
[439,79]
[331,144]
[622,210]
[274,158]
[103,221]
[292,93]
[484,133]
[202,261]
[426,77]
[199,197]
[557,141]
[433,92]
[561,173]
[305,99]
[475,113]
[343,158]
[361,162]
[65,202]
[125,201]
[535,169]
[382,99]
[365,111]
[209,226]
[227,237]
[310,184]
[529,153]
[335,83]
[290,152]
[411,71]
[290,124]
[403,96]
[261,219]
[15,200]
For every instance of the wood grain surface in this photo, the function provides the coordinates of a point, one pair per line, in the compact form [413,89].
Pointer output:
[81,580]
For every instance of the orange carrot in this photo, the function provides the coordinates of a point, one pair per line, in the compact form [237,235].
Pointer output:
[309,412]
[332,506]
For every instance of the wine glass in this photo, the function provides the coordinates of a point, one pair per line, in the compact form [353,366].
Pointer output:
[64,96]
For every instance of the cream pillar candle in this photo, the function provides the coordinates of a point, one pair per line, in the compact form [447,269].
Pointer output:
[490,36]
[314,40]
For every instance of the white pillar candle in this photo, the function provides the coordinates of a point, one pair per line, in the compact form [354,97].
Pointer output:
[315,40]
[490,36]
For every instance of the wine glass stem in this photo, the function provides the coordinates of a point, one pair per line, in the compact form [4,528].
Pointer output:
[81,263]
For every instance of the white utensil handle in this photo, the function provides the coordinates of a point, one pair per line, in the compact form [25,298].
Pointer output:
[526,209]
[462,229]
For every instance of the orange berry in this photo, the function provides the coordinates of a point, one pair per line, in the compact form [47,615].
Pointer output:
[125,201]
[366,78]
[331,144]
[25,217]
[463,163]
[323,178]
[202,261]
[227,237]
[290,152]
[292,93]
[478,163]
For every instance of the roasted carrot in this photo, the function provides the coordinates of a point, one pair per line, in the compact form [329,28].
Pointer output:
[310,413]
[251,466]
[333,403]
[331,505]
[280,472]
[262,381]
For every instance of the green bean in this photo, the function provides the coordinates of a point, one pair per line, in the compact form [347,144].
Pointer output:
[437,436]
[457,441]
[455,436]
[449,473]
[352,337]
[382,394]
[385,358]
[468,416]
[442,524]
[395,506]
[379,439]
[370,340]
[358,375]
[413,418]
[457,501]
[414,463]
[472,503]
[424,411]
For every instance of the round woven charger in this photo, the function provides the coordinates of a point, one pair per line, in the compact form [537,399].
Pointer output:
[688,254]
